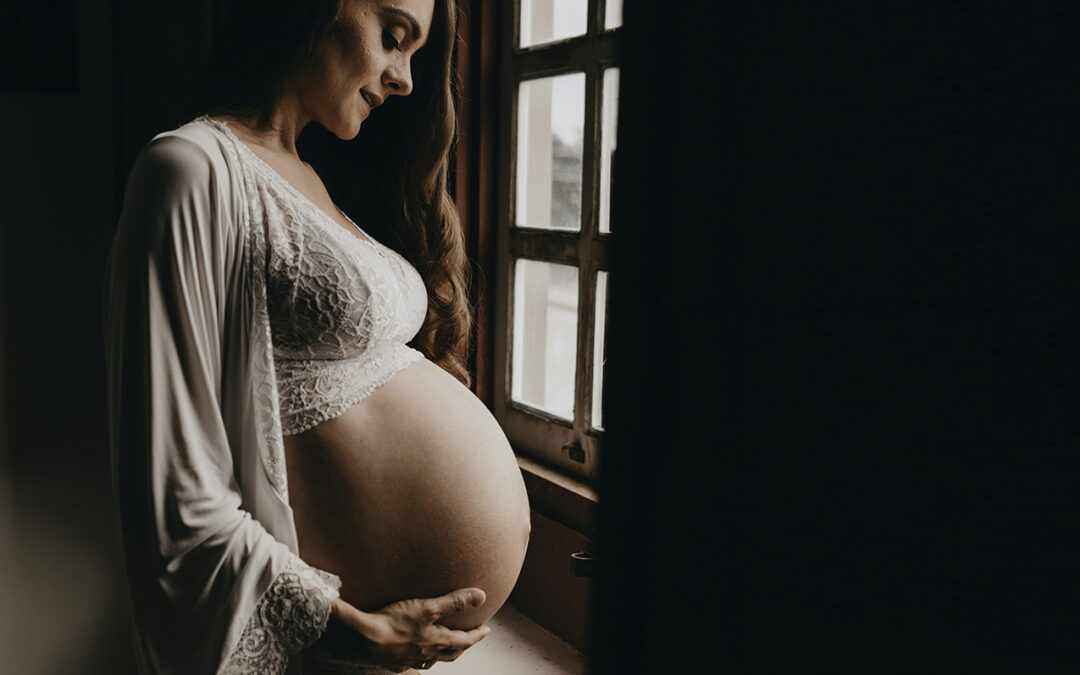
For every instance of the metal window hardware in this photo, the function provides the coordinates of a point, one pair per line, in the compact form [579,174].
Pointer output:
[574,450]
[582,564]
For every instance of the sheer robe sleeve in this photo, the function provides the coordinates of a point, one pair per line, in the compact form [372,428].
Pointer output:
[211,590]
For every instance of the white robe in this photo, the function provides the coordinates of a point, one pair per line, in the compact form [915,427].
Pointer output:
[194,428]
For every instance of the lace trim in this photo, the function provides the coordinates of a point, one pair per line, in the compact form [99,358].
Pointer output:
[275,455]
[290,617]
[273,176]
[273,448]
[313,391]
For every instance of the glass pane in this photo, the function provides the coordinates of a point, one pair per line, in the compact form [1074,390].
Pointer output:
[610,113]
[549,20]
[613,14]
[551,129]
[545,336]
[599,349]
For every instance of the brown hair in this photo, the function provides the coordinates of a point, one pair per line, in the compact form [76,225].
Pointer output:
[392,179]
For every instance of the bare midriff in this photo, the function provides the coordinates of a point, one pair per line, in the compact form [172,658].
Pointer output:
[411,493]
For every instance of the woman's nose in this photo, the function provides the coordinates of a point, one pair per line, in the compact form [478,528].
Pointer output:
[398,78]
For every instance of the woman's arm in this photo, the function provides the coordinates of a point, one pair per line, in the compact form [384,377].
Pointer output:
[291,615]
[198,564]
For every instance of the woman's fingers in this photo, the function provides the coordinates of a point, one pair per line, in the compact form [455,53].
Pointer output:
[455,603]
[448,654]
[460,640]
[445,644]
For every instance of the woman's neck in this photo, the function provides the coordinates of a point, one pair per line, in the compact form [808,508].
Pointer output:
[279,133]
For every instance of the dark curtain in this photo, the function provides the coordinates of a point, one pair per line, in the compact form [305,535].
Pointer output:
[842,374]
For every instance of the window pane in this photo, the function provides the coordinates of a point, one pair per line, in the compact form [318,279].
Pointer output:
[549,20]
[551,129]
[613,14]
[610,113]
[545,336]
[599,349]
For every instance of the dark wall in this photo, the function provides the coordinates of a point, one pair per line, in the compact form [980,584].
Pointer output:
[67,144]
[842,371]
[159,50]
[61,611]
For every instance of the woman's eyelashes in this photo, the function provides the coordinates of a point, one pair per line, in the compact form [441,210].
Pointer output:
[391,40]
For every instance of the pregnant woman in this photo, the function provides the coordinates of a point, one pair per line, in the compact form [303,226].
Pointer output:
[304,482]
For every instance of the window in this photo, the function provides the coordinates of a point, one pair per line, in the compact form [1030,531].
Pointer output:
[558,79]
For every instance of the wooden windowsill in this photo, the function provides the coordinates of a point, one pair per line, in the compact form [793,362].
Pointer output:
[518,646]
[561,498]
[551,589]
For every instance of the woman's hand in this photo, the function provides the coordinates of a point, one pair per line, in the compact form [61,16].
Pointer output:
[404,634]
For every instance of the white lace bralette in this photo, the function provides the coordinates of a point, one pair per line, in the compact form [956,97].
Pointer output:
[341,308]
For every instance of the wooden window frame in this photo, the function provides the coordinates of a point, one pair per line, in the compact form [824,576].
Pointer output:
[571,447]
[477,159]
[564,507]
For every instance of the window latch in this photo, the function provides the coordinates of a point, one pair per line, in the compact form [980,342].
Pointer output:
[574,450]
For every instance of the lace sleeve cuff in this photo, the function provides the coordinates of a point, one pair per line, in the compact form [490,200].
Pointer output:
[291,615]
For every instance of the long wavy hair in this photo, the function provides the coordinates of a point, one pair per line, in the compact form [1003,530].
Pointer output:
[391,178]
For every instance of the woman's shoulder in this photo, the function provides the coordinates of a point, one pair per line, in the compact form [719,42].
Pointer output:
[184,174]
[193,150]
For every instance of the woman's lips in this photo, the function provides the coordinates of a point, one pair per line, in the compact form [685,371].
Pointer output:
[372,100]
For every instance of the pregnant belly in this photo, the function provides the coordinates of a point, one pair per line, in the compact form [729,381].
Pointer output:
[411,493]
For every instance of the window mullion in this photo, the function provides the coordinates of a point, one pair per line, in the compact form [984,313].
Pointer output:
[590,194]
[513,18]
[564,56]
[502,338]
[586,328]
[590,159]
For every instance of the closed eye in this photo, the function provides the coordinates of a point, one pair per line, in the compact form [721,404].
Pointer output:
[391,41]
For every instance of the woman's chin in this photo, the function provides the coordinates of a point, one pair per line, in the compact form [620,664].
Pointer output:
[347,129]
[350,134]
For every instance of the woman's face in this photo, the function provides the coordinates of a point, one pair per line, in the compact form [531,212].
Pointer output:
[364,58]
